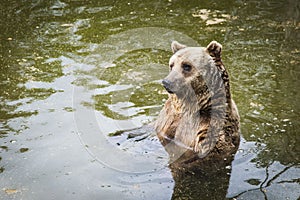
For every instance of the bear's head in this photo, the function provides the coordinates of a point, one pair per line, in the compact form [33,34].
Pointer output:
[194,71]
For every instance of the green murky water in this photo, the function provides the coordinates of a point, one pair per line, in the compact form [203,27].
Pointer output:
[73,72]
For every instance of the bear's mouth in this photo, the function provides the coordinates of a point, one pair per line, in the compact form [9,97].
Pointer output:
[168,90]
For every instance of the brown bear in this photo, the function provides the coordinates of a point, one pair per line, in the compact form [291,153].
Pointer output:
[199,121]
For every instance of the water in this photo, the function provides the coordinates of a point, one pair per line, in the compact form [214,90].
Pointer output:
[73,73]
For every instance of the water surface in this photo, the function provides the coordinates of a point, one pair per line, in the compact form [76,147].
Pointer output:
[73,73]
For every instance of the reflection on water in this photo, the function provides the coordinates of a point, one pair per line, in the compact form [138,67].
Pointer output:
[72,72]
[204,185]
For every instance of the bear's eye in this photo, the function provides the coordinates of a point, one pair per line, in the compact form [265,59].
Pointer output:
[171,66]
[186,67]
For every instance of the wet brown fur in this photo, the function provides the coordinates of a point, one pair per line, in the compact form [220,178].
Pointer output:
[199,122]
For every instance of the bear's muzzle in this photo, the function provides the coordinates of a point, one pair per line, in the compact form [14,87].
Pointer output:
[167,85]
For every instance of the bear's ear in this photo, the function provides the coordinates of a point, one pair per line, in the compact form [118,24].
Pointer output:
[214,49]
[175,46]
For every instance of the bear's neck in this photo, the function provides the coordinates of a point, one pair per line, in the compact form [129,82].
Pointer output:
[225,77]
[212,99]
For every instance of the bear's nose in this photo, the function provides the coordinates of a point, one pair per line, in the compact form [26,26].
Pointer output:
[167,86]
[166,83]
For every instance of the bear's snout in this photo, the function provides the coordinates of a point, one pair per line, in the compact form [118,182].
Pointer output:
[167,85]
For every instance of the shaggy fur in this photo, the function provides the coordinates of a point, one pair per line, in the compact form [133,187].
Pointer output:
[200,120]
